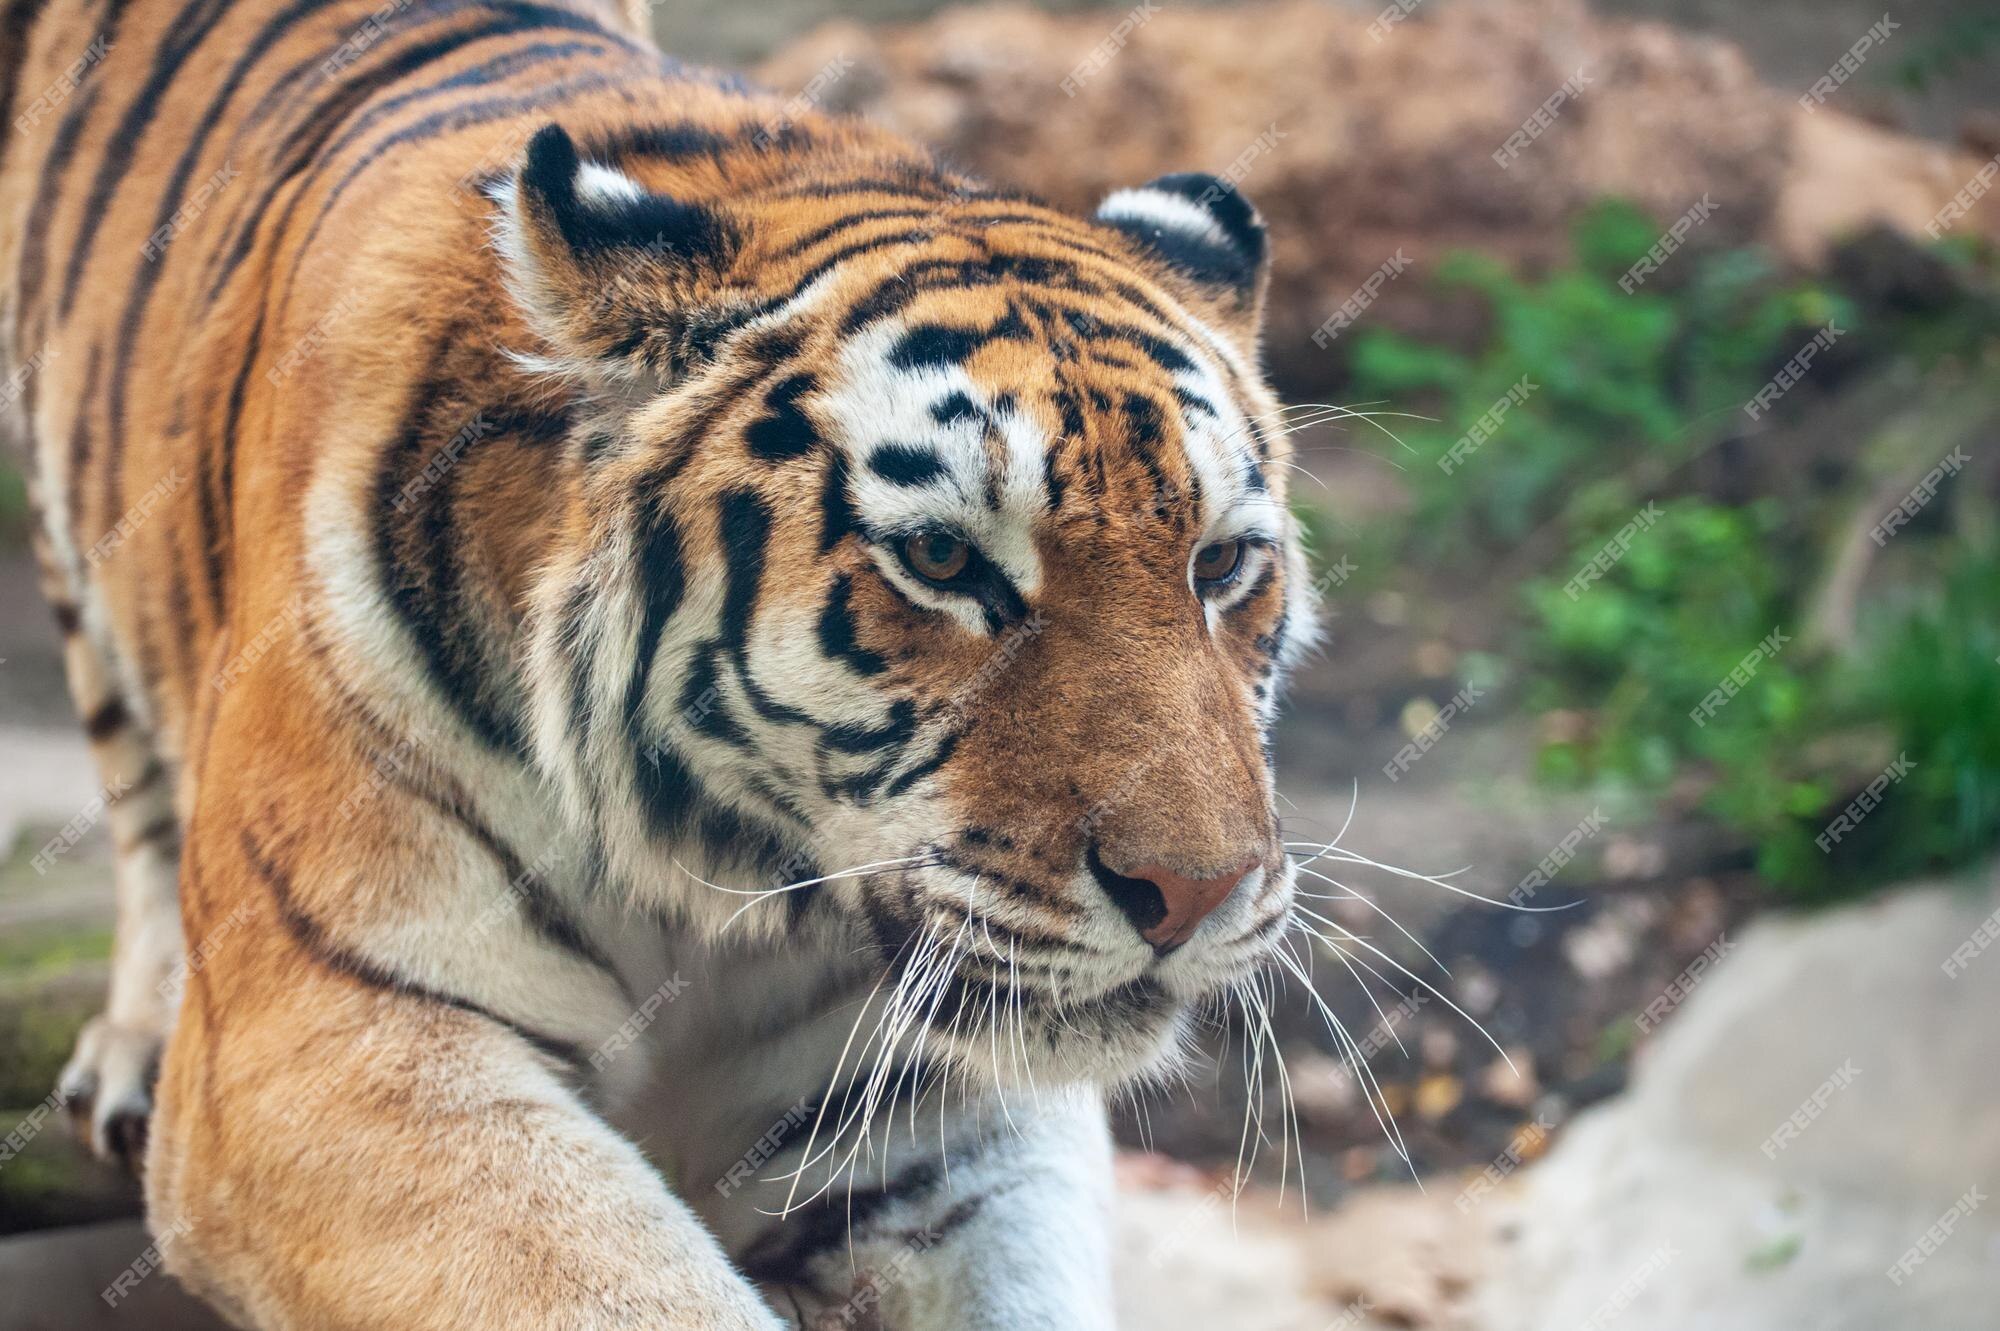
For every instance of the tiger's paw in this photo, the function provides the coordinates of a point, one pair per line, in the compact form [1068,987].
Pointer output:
[107,1088]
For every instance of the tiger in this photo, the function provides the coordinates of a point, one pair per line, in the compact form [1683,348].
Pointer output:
[684,689]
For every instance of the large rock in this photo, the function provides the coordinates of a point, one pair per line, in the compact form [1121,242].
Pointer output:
[1811,1143]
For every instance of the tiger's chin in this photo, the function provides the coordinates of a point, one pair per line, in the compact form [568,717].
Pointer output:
[1136,1033]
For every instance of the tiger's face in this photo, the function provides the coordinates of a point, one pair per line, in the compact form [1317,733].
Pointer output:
[933,579]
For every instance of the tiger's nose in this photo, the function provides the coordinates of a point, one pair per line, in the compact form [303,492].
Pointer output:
[1164,906]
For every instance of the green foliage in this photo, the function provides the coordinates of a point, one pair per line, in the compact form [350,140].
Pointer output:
[1946,50]
[1934,677]
[1687,601]
[1630,390]
[13,508]
[1599,378]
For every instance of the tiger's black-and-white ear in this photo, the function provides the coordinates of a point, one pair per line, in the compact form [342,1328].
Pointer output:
[617,280]
[1201,229]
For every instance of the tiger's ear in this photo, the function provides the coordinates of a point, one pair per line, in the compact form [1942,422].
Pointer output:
[1204,232]
[622,284]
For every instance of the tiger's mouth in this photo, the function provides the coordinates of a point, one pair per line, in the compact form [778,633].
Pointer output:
[1133,1032]
[1011,1036]
[962,987]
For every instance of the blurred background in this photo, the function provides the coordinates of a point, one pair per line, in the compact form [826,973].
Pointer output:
[1654,494]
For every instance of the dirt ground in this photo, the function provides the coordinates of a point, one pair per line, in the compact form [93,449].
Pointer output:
[1789,41]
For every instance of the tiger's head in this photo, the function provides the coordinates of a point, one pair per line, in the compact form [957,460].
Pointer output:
[931,576]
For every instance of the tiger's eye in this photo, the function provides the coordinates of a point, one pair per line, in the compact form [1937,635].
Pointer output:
[938,556]
[1214,563]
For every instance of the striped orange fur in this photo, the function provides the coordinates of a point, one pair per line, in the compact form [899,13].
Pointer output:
[508,495]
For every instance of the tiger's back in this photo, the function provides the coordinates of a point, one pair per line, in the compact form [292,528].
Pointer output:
[225,223]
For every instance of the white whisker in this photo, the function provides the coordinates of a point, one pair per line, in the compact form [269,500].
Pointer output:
[1346,856]
[1371,1089]
[1351,936]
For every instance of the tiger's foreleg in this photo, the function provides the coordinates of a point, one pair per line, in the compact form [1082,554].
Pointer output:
[330,1153]
[353,1131]
[107,1083]
[1006,1229]
[416,1170]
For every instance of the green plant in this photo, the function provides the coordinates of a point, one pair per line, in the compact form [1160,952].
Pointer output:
[13,508]
[1946,50]
[1933,676]
[1592,380]
[1694,585]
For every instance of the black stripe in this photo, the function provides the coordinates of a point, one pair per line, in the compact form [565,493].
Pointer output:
[744,530]
[313,939]
[283,90]
[686,139]
[42,215]
[839,1221]
[827,263]
[451,120]
[758,357]
[667,791]
[418,548]
[207,533]
[849,737]
[731,839]
[930,345]
[223,467]
[165,827]
[33,264]
[673,798]
[81,441]
[17,23]
[189,28]
[836,631]
[894,293]
[545,914]
[662,583]
[1145,431]
[182,639]
[213,500]
[821,234]
[492,71]
[865,786]
[303,146]
[1095,332]
[784,432]
[913,182]
[938,759]
[906,464]
[838,519]
[676,142]
[274,31]
[108,719]
[573,638]
[701,702]
[1052,479]
[150,773]
[1057,229]
[956,407]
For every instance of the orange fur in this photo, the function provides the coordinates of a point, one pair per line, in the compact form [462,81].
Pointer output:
[247,257]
